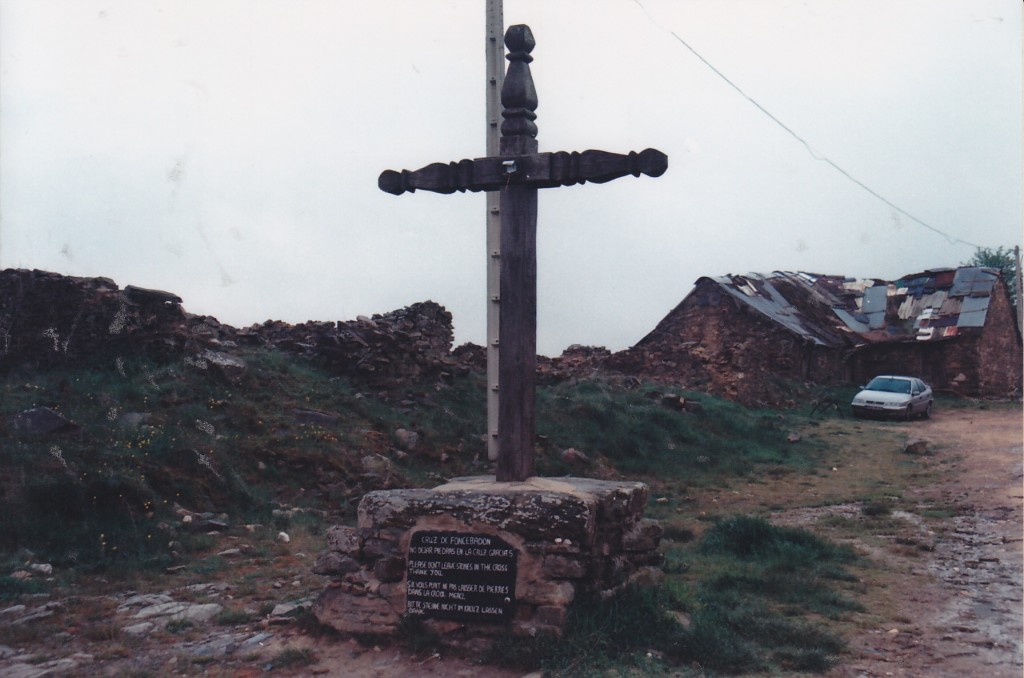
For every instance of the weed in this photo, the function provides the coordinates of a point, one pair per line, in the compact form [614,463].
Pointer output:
[292,656]
[232,617]
[10,587]
[415,635]
[675,532]
[876,508]
[208,565]
[179,625]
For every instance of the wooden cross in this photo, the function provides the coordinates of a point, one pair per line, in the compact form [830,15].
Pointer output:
[518,171]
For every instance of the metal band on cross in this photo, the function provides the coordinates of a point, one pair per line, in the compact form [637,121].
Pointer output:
[518,171]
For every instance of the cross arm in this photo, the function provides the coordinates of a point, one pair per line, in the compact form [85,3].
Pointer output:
[541,170]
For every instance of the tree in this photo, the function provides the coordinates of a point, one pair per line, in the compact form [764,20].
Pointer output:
[1002,258]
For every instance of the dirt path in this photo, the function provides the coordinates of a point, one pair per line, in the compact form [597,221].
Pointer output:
[962,604]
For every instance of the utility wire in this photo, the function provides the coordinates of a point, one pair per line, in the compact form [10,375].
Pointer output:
[952,240]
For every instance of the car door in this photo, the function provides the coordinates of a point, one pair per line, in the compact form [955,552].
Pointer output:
[917,395]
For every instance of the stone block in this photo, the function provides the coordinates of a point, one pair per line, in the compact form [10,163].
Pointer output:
[533,514]
[389,569]
[610,573]
[344,539]
[915,446]
[375,549]
[572,535]
[564,567]
[647,577]
[553,547]
[350,613]
[644,535]
[645,558]
[334,563]
[620,503]
[609,537]
[549,593]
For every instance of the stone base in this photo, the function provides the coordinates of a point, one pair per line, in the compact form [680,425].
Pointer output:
[571,536]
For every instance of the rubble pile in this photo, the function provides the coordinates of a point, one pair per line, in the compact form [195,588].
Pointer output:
[50,320]
[410,343]
[575,362]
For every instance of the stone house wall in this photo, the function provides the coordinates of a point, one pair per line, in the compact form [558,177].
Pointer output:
[977,362]
[715,343]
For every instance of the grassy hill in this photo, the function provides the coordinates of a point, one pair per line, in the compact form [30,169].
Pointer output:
[95,460]
[133,467]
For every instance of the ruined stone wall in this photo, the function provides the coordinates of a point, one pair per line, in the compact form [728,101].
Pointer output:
[714,343]
[944,365]
[1000,359]
[409,343]
[49,320]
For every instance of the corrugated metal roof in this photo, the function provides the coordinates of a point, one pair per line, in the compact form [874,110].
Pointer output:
[875,299]
[852,322]
[973,312]
[973,281]
[925,306]
[758,292]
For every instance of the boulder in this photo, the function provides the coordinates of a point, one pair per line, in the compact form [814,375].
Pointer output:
[915,446]
[42,421]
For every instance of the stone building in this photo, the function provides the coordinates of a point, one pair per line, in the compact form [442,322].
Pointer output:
[750,337]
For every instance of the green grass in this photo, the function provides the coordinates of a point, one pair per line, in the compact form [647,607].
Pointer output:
[601,634]
[756,589]
[751,598]
[292,657]
[102,496]
[232,617]
[11,588]
[638,435]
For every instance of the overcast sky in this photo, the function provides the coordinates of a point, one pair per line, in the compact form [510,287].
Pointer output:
[229,151]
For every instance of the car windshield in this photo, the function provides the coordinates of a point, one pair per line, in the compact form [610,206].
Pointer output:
[889,385]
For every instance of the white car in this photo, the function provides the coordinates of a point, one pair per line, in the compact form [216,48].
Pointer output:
[893,396]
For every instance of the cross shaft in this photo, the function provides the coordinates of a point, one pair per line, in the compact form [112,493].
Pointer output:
[518,171]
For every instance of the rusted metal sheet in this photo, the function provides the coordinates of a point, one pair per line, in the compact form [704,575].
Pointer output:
[875,299]
[850,321]
[973,281]
[827,310]
[759,293]
[973,312]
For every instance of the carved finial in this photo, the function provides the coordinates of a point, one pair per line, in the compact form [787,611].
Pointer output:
[518,95]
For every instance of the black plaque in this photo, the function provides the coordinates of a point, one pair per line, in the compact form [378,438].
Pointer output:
[461,576]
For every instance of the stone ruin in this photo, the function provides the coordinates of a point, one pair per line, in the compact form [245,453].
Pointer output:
[557,539]
[474,559]
[49,320]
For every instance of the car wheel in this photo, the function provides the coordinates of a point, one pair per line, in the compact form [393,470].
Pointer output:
[928,411]
[909,414]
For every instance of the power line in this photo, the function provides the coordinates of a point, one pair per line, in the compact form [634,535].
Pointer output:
[952,240]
